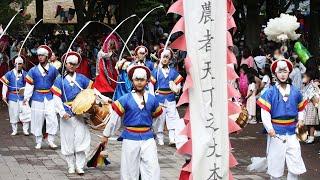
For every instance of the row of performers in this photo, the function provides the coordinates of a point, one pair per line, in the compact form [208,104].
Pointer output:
[141,96]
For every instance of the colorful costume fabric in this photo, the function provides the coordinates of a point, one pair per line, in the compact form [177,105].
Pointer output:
[107,74]
[126,86]
[284,114]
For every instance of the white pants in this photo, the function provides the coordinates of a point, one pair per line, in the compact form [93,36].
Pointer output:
[14,111]
[170,116]
[76,160]
[139,156]
[279,154]
[39,112]
[25,127]
[290,176]
[74,136]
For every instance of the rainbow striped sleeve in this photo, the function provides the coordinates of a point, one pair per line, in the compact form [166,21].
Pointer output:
[118,108]
[29,79]
[153,80]
[302,105]
[178,79]
[157,112]
[90,85]
[4,80]
[264,104]
[56,91]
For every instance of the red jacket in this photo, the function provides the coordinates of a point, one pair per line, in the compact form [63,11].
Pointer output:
[105,82]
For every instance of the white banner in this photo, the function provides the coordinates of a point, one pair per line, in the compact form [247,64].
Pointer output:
[205,30]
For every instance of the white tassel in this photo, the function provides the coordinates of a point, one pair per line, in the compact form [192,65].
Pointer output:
[282,28]
[258,164]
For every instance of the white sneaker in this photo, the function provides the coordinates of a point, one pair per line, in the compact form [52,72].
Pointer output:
[80,171]
[14,133]
[160,142]
[38,146]
[172,143]
[310,140]
[71,170]
[52,145]
[252,122]
[26,133]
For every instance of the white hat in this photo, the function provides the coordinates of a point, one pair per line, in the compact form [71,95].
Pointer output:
[142,50]
[18,60]
[166,52]
[72,59]
[42,51]
[139,73]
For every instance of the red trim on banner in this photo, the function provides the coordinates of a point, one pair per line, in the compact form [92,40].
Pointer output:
[233,126]
[231,74]
[179,43]
[176,8]
[184,98]
[179,26]
[232,92]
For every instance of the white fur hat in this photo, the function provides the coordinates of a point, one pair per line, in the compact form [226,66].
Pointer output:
[139,73]
[18,60]
[280,65]
[166,52]
[44,50]
[72,59]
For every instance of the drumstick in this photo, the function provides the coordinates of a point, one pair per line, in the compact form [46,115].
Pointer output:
[162,105]
[283,140]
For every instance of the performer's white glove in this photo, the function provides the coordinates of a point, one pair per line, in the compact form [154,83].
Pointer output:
[175,88]
[103,99]
[120,63]
[104,55]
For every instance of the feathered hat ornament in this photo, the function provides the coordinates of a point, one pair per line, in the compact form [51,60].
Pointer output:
[282,29]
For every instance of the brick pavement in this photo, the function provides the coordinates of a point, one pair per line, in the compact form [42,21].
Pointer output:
[19,160]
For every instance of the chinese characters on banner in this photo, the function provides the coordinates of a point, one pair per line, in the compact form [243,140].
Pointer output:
[205,23]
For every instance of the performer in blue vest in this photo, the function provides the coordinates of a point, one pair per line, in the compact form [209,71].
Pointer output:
[14,82]
[74,133]
[137,109]
[282,110]
[167,83]
[39,80]
[141,53]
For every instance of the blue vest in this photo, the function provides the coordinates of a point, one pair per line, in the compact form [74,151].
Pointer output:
[149,64]
[283,113]
[161,84]
[135,117]
[42,84]
[67,92]
[14,85]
